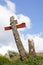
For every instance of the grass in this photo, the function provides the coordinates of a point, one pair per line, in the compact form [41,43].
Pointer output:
[38,60]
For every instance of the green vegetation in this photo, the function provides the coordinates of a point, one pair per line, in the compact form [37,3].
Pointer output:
[4,60]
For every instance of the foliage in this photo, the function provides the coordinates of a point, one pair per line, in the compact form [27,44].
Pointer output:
[29,61]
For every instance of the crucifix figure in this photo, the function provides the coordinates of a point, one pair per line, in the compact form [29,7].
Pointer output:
[14,27]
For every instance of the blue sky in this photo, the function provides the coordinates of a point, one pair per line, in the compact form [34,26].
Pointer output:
[34,10]
[28,11]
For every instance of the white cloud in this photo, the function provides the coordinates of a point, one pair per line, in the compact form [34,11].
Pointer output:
[5,16]
[38,41]
[38,44]
[11,5]
[22,18]
[6,37]
[4,49]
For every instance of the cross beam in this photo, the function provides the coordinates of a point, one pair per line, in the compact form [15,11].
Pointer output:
[22,25]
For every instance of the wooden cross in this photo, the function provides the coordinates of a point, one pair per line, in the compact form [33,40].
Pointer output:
[16,36]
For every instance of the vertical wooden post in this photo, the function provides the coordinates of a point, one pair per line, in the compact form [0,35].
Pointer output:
[17,38]
[31,48]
